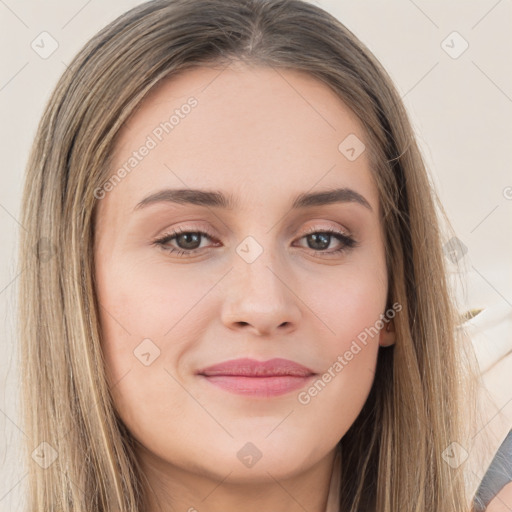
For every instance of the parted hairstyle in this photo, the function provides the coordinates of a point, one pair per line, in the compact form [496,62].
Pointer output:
[392,455]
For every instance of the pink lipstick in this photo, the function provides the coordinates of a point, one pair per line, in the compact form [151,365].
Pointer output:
[258,378]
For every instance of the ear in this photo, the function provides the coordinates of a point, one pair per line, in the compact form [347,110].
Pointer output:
[387,335]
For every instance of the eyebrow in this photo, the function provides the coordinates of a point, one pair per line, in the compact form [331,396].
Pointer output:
[217,199]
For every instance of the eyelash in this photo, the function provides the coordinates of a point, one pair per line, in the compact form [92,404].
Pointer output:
[347,241]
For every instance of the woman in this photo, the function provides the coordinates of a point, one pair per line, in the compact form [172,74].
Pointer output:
[239,296]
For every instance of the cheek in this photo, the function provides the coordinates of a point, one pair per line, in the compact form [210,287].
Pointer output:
[145,331]
[350,308]
[150,321]
[348,303]
[141,310]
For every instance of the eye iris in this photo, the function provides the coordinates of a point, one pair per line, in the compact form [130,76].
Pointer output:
[187,237]
[323,238]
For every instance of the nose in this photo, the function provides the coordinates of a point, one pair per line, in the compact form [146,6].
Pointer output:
[260,299]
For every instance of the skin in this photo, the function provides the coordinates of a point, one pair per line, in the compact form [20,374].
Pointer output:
[264,137]
[502,502]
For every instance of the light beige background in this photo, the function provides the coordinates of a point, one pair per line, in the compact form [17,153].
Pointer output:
[461,109]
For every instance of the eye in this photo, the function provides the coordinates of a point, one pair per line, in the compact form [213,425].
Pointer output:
[320,239]
[189,242]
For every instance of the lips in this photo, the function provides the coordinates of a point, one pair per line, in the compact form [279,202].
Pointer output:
[258,378]
[252,368]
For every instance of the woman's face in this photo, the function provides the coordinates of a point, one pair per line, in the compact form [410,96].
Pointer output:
[261,278]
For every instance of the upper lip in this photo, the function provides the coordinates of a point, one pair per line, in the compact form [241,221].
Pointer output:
[246,367]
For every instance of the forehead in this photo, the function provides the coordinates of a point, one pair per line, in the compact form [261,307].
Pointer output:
[255,131]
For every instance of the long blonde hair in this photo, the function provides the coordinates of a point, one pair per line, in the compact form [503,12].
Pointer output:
[393,453]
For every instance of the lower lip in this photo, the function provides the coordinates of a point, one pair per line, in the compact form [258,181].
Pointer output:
[259,386]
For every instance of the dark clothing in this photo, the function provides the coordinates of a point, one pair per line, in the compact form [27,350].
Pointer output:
[497,476]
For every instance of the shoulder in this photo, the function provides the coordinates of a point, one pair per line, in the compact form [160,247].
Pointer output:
[495,491]
[502,502]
